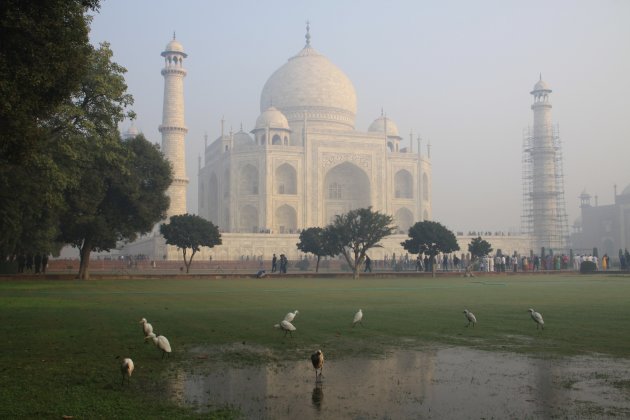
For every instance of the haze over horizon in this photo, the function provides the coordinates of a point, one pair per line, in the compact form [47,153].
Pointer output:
[456,73]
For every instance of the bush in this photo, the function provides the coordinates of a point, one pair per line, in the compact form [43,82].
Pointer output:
[587,267]
[303,264]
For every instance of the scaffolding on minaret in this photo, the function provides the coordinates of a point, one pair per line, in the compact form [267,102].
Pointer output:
[557,237]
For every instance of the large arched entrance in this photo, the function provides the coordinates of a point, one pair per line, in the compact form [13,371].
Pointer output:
[346,187]
[403,219]
[285,220]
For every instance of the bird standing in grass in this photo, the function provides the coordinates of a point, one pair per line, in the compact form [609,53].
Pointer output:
[291,316]
[126,368]
[538,319]
[317,359]
[470,317]
[146,327]
[358,317]
[286,326]
[161,343]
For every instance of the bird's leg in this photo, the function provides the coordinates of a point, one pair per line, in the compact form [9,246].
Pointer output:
[123,380]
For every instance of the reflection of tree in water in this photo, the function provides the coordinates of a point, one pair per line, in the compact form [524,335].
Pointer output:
[318,396]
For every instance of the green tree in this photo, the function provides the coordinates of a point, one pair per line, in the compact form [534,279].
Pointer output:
[189,231]
[478,248]
[121,196]
[314,240]
[352,234]
[44,56]
[430,238]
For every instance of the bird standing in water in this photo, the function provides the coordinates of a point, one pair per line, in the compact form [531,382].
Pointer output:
[317,359]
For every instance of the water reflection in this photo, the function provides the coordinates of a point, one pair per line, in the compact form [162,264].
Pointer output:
[443,383]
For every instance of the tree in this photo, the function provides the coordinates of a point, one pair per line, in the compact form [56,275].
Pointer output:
[478,248]
[190,231]
[43,56]
[352,234]
[430,238]
[43,59]
[122,196]
[314,240]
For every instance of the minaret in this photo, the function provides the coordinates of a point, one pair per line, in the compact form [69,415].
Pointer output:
[173,128]
[547,191]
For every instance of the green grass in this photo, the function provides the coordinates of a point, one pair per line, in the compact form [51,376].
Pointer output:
[61,337]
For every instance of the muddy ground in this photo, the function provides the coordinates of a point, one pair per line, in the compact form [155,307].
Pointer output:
[438,382]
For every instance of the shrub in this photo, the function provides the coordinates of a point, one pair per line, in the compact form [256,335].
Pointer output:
[587,267]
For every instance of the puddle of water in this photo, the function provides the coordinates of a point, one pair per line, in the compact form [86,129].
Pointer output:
[437,383]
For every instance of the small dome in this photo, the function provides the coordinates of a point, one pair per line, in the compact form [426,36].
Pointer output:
[272,118]
[174,47]
[378,126]
[242,139]
[131,132]
[541,85]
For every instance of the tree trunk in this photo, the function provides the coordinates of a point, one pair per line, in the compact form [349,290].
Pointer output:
[317,265]
[188,262]
[85,252]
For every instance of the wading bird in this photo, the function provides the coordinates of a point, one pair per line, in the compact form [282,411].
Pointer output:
[126,368]
[286,326]
[161,343]
[291,316]
[317,359]
[146,327]
[538,319]
[470,317]
[357,318]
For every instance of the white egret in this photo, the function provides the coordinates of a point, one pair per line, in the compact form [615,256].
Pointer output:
[357,318]
[538,319]
[286,326]
[126,368]
[470,317]
[146,327]
[291,316]
[161,343]
[317,359]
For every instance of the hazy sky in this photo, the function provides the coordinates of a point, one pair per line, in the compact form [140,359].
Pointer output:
[458,73]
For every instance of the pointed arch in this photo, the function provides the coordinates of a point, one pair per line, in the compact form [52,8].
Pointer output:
[286,179]
[403,219]
[248,180]
[403,184]
[248,219]
[346,187]
[285,219]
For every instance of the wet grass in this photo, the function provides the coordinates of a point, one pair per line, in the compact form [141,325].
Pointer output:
[61,337]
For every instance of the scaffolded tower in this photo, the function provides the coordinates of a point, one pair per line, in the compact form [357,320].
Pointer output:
[544,212]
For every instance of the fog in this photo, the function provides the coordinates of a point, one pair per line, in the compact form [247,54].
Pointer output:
[457,73]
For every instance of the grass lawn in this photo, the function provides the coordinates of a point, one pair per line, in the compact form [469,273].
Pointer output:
[61,337]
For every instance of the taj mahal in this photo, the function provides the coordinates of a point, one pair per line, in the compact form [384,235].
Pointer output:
[304,162]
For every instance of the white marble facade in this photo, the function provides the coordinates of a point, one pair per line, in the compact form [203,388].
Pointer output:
[305,162]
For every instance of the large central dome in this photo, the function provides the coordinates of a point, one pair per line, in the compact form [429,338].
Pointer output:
[310,86]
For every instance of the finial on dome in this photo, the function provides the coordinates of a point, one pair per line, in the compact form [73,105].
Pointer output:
[540,77]
[308,34]
[173,35]
[381,111]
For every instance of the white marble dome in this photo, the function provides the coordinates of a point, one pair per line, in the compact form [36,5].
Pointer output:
[174,46]
[310,84]
[541,85]
[378,126]
[272,118]
[242,139]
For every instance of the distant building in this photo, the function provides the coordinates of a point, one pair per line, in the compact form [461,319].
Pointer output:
[606,227]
